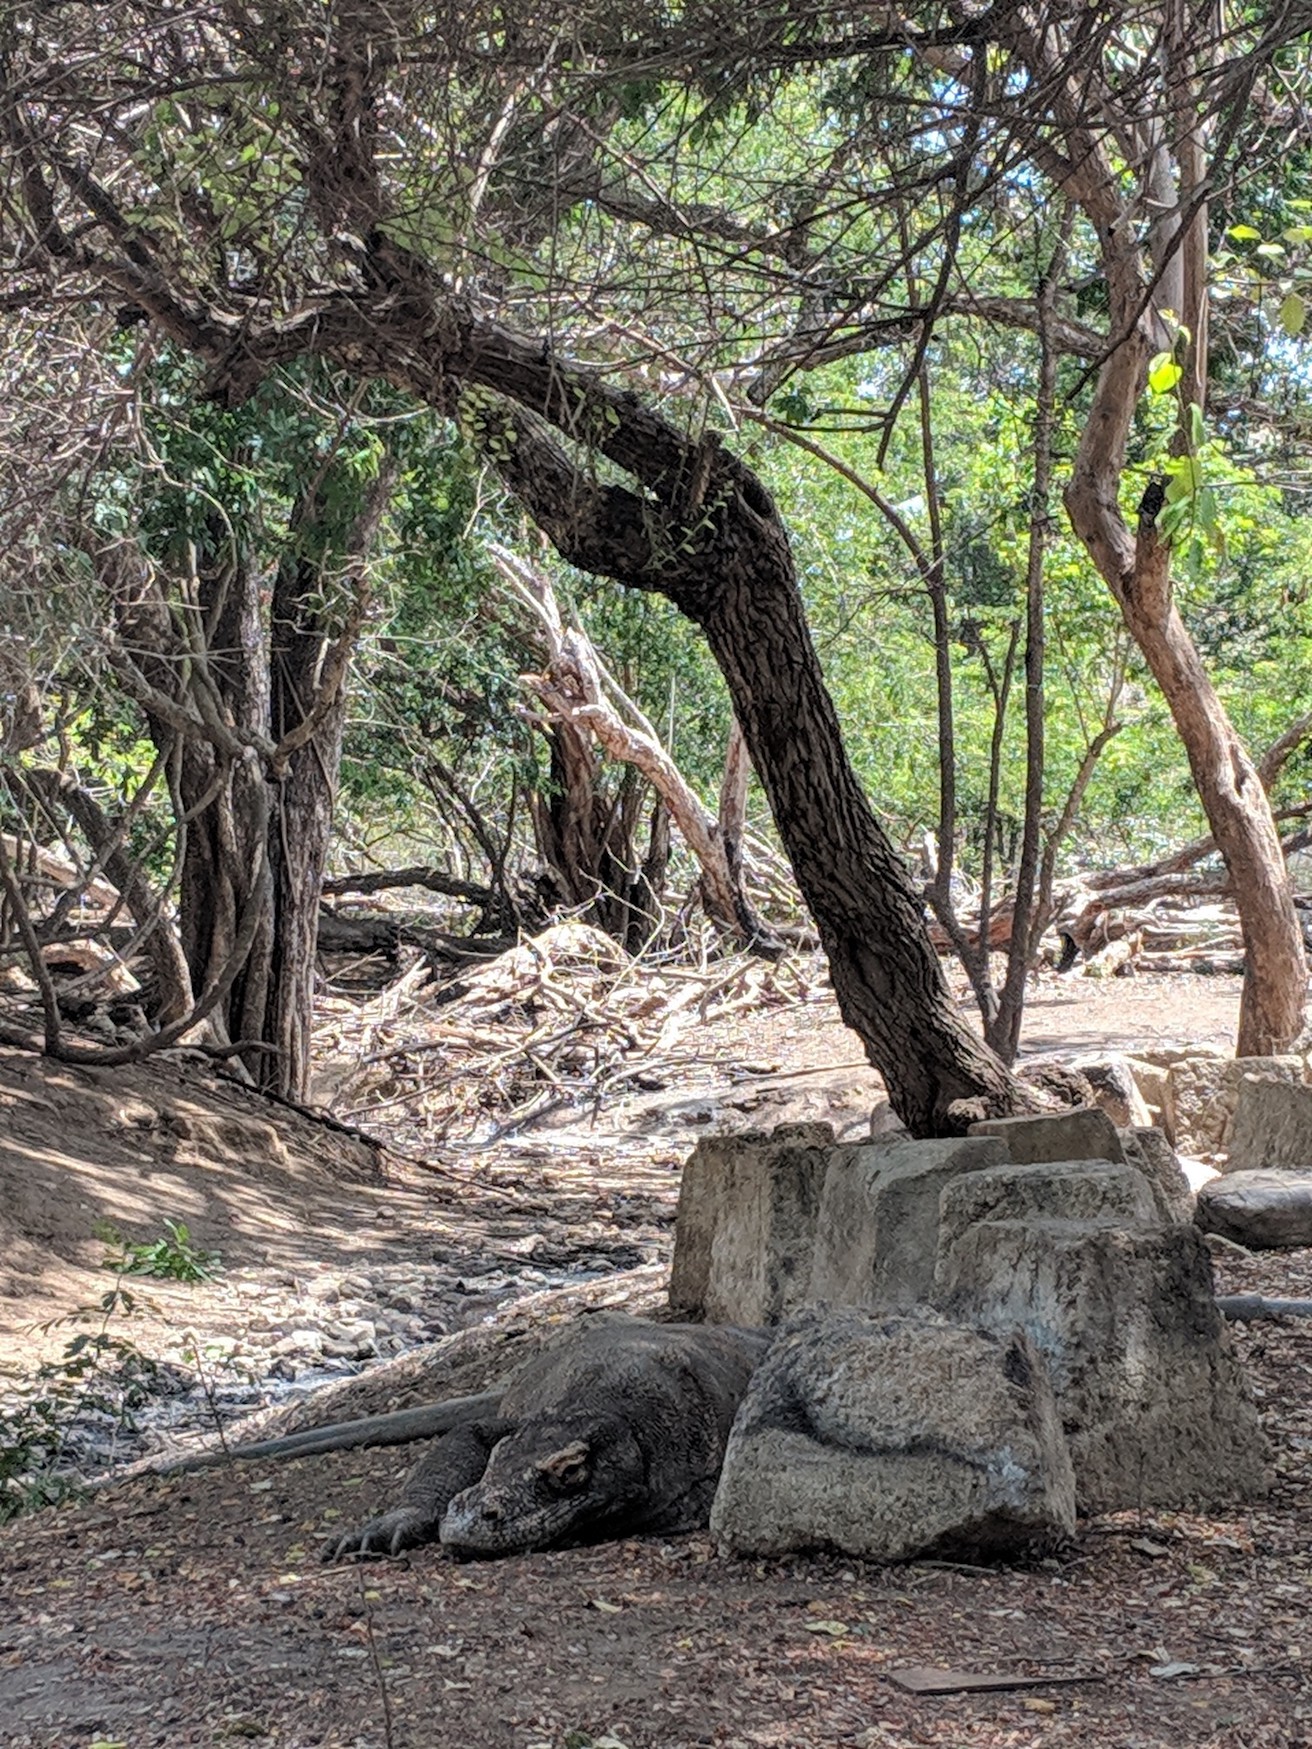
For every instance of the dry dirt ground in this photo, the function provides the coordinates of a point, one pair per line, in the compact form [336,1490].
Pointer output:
[194,1610]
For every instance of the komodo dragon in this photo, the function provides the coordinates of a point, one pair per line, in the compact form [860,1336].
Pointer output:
[617,1428]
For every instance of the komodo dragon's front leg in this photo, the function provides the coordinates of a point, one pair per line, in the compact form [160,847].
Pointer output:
[456,1461]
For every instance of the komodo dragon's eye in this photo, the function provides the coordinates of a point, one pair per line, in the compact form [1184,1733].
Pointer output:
[566,1469]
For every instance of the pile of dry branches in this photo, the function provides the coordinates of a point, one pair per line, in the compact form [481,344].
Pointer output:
[559,1022]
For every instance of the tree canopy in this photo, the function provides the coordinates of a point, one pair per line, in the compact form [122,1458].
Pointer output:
[755,312]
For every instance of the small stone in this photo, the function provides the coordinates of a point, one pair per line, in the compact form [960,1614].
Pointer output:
[345,1329]
[300,1341]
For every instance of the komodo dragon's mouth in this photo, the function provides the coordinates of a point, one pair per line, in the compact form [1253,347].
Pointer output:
[477,1522]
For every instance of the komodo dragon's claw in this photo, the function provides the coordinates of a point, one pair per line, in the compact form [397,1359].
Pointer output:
[387,1535]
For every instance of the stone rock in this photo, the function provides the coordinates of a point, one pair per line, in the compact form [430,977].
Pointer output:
[1088,1133]
[1267,1210]
[1147,1148]
[1085,1133]
[745,1227]
[884,1122]
[1115,1091]
[1166,1056]
[1272,1125]
[300,1341]
[888,1438]
[1151,1079]
[877,1229]
[1079,1191]
[1155,1407]
[1202,1094]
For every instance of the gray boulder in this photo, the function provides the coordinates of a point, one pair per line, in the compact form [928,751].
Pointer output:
[1265,1210]
[1151,1081]
[893,1437]
[1272,1124]
[1078,1192]
[1086,1133]
[877,1227]
[1147,1148]
[1121,1305]
[1202,1094]
[745,1227]
[1115,1090]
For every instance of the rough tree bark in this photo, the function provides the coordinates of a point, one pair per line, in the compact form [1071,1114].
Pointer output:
[708,536]
[249,711]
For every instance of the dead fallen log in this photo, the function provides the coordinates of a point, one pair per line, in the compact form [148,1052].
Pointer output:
[1212,965]
[1254,1309]
[359,935]
[433,880]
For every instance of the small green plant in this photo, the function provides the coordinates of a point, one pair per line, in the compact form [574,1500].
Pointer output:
[172,1258]
[100,1375]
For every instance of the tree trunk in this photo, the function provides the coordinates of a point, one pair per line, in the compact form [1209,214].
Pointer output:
[581,697]
[886,976]
[300,826]
[1239,812]
[1137,566]
[256,725]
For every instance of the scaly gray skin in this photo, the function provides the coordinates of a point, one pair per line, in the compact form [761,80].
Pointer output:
[617,1429]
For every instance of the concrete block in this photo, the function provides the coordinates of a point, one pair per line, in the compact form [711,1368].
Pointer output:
[745,1228]
[894,1437]
[877,1229]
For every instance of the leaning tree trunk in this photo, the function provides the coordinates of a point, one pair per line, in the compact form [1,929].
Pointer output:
[722,556]
[887,977]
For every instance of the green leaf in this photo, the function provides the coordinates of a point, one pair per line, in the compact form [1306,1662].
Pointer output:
[1272,251]
[1163,374]
[1293,314]
[1244,234]
[1186,479]
[1197,428]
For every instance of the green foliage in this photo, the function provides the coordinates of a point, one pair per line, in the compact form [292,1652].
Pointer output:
[100,1374]
[173,1258]
[839,172]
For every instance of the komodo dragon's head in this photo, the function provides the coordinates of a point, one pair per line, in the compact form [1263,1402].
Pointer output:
[556,1479]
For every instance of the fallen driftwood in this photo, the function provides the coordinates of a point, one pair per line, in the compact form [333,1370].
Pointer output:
[1253,1308]
[560,1020]
[921,1679]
